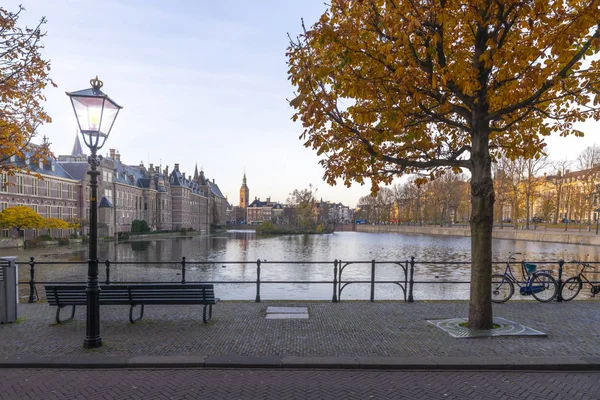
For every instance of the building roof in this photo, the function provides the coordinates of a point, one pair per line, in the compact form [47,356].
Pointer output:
[105,203]
[50,166]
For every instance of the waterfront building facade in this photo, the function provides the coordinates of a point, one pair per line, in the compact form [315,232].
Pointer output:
[60,189]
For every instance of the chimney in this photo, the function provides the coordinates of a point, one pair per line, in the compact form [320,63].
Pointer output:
[167,170]
[213,180]
[151,168]
[176,167]
[118,156]
[112,153]
[141,165]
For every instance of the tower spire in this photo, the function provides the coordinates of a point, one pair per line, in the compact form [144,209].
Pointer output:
[77,151]
[196,172]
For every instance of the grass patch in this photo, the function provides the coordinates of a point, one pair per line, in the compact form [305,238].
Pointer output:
[466,325]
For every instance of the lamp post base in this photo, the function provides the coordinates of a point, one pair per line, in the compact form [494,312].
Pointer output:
[92,343]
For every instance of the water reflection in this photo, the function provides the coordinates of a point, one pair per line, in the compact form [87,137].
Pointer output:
[238,246]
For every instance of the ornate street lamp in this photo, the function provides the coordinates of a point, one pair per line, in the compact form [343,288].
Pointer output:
[96,113]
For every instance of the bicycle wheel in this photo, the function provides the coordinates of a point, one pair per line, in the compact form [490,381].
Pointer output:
[570,288]
[543,287]
[502,289]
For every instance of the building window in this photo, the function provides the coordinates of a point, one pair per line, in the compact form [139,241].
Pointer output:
[48,211]
[34,207]
[60,190]
[3,182]
[60,212]
[70,188]
[20,188]
[3,206]
[34,186]
[48,194]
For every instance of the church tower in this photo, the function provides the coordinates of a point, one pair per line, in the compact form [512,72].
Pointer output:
[244,193]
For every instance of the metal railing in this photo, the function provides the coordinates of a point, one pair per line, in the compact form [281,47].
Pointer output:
[405,281]
[338,281]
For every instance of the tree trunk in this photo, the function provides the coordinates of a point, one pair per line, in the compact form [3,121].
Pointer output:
[482,221]
[527,213]
[516,210]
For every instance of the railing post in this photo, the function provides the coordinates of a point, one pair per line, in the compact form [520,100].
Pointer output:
[372,281]
[405,279]
[107,263]
[182,269]
[411,281]
[339,281]
[560,271]
[32,297]
[257,281]
[335,266]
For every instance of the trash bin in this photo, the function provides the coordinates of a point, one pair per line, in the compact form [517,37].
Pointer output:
[8,290]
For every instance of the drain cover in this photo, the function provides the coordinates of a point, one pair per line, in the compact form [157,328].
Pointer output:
[287,310]
[287,313]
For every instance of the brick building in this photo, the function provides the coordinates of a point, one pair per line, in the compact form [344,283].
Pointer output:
[164,200]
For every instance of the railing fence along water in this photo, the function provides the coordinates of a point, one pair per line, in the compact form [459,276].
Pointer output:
[405,280]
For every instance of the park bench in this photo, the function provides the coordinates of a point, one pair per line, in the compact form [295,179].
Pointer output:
[133,295]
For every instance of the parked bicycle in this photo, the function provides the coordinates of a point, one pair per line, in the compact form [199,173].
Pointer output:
[539,284]
[572,286]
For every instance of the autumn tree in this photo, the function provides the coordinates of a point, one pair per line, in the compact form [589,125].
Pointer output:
[55,223]
[20,217]
[302,201]
[391,87]
[23,78]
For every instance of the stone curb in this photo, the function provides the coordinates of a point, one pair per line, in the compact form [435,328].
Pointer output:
[294,362]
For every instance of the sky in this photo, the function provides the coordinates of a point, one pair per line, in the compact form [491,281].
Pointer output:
[201,82]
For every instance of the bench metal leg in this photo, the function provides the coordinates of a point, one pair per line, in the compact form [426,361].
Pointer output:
[133,321]
[61,321]
[209,313]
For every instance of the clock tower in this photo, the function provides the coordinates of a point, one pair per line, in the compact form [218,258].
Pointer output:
[244,193]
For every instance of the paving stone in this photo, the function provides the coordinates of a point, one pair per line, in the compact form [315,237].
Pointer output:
[287,310]
[287,316]
[352,328]
[278,384]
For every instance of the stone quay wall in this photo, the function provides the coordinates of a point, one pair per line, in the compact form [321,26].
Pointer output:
[538,235]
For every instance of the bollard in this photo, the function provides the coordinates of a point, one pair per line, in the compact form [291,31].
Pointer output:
[107,263]
[411,281]
[335,266]
[182,269]
[32,297]
[257,281]
[372,281]
[559,281]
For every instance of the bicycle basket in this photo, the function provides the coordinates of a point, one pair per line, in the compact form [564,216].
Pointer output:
[530,268]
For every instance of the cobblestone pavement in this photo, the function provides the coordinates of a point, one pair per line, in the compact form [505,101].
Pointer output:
[271,384]
[352,328]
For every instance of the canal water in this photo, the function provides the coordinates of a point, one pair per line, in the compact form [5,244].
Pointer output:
[232,256]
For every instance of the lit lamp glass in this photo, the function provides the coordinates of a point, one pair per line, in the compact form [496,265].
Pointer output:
[95,113]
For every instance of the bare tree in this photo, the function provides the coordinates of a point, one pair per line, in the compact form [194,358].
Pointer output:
[531,169]
[559,168]
[588,164]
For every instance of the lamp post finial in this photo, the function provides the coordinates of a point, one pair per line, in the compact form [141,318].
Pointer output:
[96,83]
